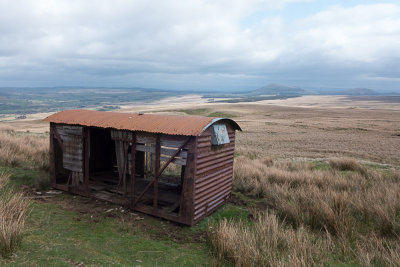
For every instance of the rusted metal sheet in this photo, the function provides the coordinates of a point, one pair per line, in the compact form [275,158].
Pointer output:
[167,124]
[214,171]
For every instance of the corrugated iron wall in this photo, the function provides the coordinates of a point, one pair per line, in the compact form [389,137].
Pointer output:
[213,173]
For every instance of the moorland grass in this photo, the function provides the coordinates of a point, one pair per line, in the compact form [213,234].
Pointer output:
[207,112]
[23,149]
[13,209]
[290,213]
[350,211]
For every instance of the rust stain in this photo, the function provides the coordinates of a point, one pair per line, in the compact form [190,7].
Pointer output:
[166,124]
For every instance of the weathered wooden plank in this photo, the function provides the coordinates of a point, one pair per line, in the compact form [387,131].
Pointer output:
[160,172]
[72,138]
[164,151]
[144,148]
[86,156]
[72,157]
[170,152]
[176,160]
[52,163]
[164,140]
[70,130]
[156,169]
[72,166]
[121,135]
[145,138]
[132,169]
[172,144]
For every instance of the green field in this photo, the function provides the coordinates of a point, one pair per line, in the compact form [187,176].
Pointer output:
[65,230]
[35,100]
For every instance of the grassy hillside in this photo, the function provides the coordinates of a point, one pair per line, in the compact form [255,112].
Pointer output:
[311,187]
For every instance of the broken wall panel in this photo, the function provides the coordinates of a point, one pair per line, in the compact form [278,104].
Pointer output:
[72,142]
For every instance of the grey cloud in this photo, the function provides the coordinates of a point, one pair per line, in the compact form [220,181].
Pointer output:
[192,44]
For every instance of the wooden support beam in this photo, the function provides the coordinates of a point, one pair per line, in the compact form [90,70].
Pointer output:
[58,137]
[186,210]
[161,171]
[69,179]
[133,169]
[156,169]
[86,158]
[52,165]
[122,175]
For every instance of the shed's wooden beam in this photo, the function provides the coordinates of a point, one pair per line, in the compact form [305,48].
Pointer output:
[86,158]
[156,169]
[133,167]
[58,137]
[161,171]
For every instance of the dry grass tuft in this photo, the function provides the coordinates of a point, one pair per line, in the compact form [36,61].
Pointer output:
[375,251]
[344,199]
[346,164]
[267,242]
[13,208]
[23,149]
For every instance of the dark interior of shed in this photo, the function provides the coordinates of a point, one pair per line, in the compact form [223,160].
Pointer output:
[106,182]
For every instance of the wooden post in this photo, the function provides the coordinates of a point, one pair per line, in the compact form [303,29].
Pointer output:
[86,158]
[161,170]
[133,170]
[156,169]
[187,195]
[52,166]
[122,175]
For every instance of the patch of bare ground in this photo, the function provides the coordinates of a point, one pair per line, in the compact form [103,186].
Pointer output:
[94,211]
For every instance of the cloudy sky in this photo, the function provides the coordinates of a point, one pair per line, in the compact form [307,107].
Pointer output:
[215,45]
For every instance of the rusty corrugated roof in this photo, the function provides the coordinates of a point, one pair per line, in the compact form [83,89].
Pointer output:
[167,124]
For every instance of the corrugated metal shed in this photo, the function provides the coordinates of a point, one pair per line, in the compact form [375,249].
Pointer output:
[123,158]
[166,124]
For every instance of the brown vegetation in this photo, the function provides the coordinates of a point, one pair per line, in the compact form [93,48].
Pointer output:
[13,208]
[267,243]
[306,212]
[288,132]
[18,149]
[353,208]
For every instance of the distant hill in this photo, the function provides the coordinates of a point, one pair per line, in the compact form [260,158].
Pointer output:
[286,90]
[354,92]
[279,89]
